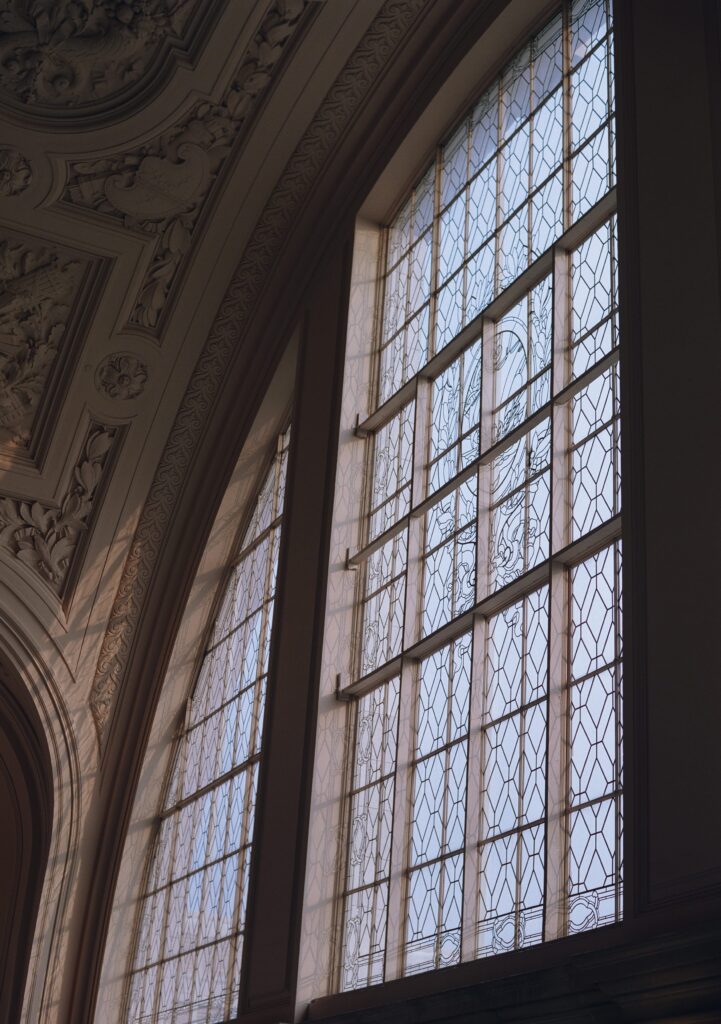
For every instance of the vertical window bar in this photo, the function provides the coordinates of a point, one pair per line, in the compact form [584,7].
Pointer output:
[395,949]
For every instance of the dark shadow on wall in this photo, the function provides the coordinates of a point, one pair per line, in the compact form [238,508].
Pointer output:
[26,815]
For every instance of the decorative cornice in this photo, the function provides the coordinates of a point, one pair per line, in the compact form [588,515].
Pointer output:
[336,111]
[162,187]
[72,57]
[121,376]
[46,537]
[15,172]
[39,286]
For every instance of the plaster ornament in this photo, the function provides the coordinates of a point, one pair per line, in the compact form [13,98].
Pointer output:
[295,185]
[70,53]
[160,188]
[121,376]
[15,172]
[46,537]
[163,187]
[38,288]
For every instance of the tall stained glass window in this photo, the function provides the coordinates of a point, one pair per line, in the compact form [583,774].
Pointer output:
[188,951]
[485,805]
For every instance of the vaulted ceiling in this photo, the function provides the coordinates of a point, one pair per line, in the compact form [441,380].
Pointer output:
[149,148]
[163,166]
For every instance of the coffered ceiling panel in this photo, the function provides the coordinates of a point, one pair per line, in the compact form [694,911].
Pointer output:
[67,61]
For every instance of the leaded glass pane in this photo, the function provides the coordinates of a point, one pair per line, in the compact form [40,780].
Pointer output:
[186,964]
[384,603]
[455,417]
[595,753]
[513,780]
[449,565]
[371,822]
[438,809]
[503,517]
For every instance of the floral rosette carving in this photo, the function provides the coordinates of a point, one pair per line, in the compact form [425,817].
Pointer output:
[45,538]
[15,172]
[121,376]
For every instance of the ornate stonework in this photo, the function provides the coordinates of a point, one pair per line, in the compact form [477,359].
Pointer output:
[38,289]
[47,537]
[60,54]
[162,187]
[15,172]
[121,376]
[296,182]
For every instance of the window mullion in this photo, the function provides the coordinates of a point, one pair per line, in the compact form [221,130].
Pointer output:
[406,724]
[566,115]
[401,823]
[472,857]
[435,249]
[556,772]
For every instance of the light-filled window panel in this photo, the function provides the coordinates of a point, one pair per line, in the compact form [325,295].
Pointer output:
[189,946]
[491,603]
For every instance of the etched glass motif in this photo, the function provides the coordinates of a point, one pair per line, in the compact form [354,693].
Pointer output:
[520,506]
[384,603]
[370,829]
[391,472]
[455,416]
[490,580]
[449,568]
[522,359]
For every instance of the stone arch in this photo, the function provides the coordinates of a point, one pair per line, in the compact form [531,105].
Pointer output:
[26,808]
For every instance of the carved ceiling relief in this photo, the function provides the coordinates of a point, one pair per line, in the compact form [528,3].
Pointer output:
[15,172]
[48,537]
[271,232]
[163,187]
[59,54]
[39,287]
[122,376]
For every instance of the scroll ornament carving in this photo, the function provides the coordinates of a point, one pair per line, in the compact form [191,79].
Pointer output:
[162,187]
[121,376]
[346,94]
[65,53]
[45,538]
[37,290]
[15,172]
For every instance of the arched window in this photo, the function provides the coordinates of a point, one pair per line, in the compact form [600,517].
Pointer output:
[484,784]
[187,959]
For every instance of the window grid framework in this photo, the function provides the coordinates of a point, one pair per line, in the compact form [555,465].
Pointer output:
[188,947]
[564,431]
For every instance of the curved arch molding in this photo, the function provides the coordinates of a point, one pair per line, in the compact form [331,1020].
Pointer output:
[295,185]
[26,810]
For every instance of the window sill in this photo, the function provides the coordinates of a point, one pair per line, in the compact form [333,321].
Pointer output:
[610,974]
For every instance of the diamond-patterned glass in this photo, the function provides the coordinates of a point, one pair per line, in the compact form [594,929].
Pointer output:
[513,777]
[371,823]
[507,515]
[186,964]
[438,808]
